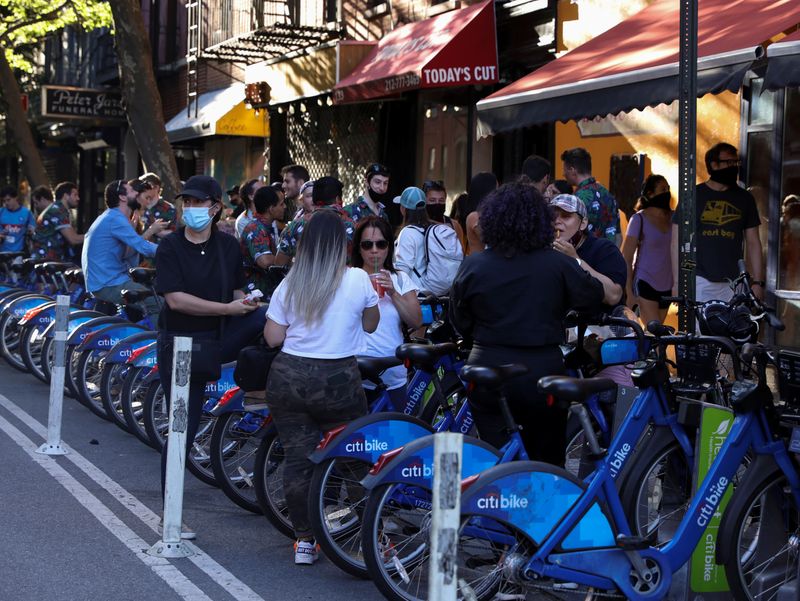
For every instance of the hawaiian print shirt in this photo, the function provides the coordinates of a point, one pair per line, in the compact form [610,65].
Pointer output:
[161,210]
[360,209]
[601,208]
[48,243]
[292,232]
[259,237]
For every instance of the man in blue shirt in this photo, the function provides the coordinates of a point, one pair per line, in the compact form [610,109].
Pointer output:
[16,222]
[111,243]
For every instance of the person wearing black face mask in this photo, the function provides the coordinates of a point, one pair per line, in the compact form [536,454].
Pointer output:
[726,220]
[648,238]
[375,197]
[435,203]
[111,246]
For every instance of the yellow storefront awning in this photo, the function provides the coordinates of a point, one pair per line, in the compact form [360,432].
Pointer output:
[220,113]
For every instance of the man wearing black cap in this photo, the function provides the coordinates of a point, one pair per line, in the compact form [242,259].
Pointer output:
[327,196]
[376,194]
[236,201]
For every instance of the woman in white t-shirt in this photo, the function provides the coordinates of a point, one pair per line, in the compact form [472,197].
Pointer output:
[317,313]
[373,246]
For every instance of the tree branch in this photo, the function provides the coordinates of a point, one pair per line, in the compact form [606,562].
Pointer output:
[48,16]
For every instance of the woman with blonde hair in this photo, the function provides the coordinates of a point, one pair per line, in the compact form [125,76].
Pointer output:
[318,314]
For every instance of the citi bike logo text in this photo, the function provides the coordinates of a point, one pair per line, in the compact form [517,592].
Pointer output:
[711,501]
[417,470]
[107,341]
[618,459]
[466,425]
[414,397]
[500,501]
[366,445]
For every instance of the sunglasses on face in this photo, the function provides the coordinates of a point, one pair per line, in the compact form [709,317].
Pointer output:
[120,187]
[380,244]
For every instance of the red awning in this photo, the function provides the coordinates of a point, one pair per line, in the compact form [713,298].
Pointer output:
[635,64]
[457,48]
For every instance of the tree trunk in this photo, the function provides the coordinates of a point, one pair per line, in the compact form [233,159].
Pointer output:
[141,95]
[17,124]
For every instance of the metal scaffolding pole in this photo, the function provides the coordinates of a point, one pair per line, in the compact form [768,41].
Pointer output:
[687,141]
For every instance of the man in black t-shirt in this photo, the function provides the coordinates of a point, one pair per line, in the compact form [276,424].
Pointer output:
[726,218]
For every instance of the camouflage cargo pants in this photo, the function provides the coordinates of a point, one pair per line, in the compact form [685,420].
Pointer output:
[306,397]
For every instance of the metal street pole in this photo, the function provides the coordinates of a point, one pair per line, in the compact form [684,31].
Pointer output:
[687,141]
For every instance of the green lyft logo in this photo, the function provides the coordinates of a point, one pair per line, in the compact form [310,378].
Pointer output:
[706,575]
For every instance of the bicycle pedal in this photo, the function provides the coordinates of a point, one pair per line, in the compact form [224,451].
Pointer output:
[634,543]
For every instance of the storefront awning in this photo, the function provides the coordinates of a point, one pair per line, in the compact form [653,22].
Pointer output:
[635,64]
[219,113]
[783,65]
[456,48]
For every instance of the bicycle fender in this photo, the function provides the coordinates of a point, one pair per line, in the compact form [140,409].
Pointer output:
[367,437]
[533,497]
[76,320]
[107,337]
[22,304]
[80,334]
[413,464]
[761,469]
[231,401]
[44,315]
[143,356]
[124,349]
[217,389]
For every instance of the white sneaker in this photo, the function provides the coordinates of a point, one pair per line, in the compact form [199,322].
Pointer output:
[305,552]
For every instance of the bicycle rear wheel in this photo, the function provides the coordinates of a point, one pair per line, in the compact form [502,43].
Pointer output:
[9,341]
[268,481]
[112,379]
[88,382]
[234,444]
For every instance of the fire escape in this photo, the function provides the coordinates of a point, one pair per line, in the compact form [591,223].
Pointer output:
[249,31]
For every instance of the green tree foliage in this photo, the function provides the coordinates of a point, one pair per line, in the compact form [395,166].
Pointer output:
[24,23]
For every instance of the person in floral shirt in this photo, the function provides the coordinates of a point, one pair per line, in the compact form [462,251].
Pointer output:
[377,192]
[259,240]
[54,236]
[600,204]
[148,187]
[327,196]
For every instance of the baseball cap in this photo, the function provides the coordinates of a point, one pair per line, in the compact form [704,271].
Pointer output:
[377,169]
[569,203]
[411,198]
[203,187]
[234,190]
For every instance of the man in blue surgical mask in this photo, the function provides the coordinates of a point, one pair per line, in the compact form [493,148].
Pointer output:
[111,247]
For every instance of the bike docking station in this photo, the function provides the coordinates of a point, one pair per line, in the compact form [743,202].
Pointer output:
[170,545]
[53,445]
[445,516]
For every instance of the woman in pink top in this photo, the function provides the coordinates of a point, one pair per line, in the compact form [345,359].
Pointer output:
[648,239]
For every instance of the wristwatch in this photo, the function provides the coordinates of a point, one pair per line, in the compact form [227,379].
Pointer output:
[580,263]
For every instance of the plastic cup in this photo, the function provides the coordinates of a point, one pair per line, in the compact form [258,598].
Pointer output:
[373,277]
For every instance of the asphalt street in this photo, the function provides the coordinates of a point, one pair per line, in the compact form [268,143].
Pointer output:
[76,527]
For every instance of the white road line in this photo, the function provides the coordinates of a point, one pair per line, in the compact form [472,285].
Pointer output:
[161,567]
[225,579]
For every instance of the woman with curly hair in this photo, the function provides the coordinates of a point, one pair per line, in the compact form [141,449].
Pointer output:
[511,300]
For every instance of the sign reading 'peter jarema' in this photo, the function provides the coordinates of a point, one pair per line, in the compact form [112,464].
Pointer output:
[63,102]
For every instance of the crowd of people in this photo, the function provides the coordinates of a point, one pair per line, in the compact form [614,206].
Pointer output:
[513,259]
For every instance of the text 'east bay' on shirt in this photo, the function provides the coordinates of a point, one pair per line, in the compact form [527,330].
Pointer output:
[339,332]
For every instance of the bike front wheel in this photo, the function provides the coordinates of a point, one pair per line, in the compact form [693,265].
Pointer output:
[268,481]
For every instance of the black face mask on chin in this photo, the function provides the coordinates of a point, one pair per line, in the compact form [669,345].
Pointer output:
[659,201]
[727,176]
[436,211]
[379,197]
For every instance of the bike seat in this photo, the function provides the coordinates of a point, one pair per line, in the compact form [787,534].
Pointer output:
[424,356]
[492,377]
[105,307]
[142,275]
[7,257]
[371,368]
[135,296]
[25,267]
[74,274]
[54,267]
[40,268]
[574,390]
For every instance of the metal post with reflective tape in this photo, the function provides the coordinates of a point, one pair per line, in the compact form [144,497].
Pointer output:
[445,518]
[53,445]
[170,544]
